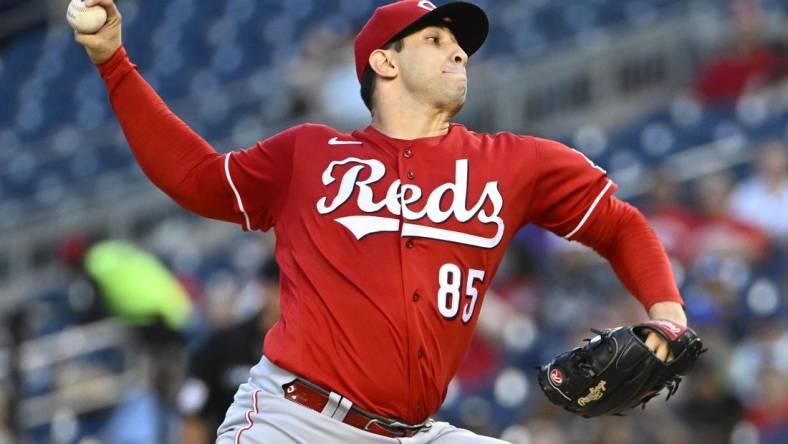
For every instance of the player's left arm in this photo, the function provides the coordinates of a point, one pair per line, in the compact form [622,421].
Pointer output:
[573,198]
[621,234]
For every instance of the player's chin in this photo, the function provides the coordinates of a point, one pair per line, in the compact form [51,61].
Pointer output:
[460,93]
[456,88]
[452,94]
[453,102]
[458,82]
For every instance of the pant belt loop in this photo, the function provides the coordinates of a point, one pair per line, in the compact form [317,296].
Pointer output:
[344,407]
[332,404]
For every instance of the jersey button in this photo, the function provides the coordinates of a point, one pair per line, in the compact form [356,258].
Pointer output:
[411,175]
[419,409]
[407,153]
[416,297]
[421,353]
[409,243]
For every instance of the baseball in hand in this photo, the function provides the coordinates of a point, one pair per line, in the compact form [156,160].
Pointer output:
[85,19]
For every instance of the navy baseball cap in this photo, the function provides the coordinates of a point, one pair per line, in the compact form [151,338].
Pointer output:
[467,21]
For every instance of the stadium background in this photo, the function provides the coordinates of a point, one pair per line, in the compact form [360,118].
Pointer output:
[675,98]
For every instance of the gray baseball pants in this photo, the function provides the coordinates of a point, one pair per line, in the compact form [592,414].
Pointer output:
[260,414]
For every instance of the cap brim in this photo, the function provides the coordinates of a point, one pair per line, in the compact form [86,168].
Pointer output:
[467,21]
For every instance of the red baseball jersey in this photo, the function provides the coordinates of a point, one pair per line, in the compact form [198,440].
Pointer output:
[387,246]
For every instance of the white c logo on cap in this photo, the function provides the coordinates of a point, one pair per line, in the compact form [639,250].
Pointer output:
[427,5]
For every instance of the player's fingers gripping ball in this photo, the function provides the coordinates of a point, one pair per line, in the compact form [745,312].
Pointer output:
[85,19]
[616,371]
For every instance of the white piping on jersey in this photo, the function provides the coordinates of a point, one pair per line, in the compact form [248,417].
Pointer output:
[235,191]
[590,210]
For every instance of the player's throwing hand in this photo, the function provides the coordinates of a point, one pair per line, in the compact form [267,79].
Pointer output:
[101,45]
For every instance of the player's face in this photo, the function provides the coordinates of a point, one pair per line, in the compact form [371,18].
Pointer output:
[432,68]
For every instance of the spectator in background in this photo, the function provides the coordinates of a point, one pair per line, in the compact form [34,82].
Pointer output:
[710,409]
[619,434]
[219,301]
[322,80]
[546,430]
[719,234]
[768,410]
[5,419]
[130,283]
[780,51]
[747,64]
[763,199]
[758,372]
[318,79]
[137,288]
[670,218]
[15,326]
[222,362]
[724,252]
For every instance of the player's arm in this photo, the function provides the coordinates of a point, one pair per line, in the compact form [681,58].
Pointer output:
[573,198]
[175,159]
[621,234]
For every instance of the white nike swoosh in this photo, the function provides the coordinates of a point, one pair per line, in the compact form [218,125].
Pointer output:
[335,141]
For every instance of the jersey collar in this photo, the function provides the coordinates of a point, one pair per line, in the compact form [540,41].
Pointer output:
[378,138]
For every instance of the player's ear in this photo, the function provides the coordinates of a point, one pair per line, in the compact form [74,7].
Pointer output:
[382,62]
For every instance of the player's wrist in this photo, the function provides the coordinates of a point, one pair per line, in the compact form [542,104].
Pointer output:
[668,310]
[113,59]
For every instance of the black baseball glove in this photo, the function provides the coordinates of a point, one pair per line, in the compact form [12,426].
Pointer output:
[615,371]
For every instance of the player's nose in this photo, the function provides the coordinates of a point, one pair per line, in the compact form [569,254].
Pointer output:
[460,56]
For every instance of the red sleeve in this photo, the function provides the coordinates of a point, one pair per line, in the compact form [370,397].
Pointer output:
[183,164]
[260,179]
[567,189]
[620,233]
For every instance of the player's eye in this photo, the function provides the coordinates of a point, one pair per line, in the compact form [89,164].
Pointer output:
[434,39]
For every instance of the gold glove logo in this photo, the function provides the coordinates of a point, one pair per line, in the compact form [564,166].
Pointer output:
[594,394]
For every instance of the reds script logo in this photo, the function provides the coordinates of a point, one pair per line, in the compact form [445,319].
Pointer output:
[399,197]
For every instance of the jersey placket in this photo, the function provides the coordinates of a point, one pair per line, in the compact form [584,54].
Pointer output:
[412,295]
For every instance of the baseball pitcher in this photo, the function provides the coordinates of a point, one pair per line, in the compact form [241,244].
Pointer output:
[387,237]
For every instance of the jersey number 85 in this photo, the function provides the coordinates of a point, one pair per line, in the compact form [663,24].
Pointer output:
[449,293]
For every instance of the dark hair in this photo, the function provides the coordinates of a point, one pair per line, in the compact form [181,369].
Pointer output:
[368,80]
